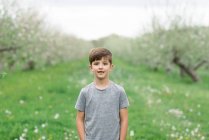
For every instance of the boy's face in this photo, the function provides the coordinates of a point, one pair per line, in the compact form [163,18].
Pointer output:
[101,68]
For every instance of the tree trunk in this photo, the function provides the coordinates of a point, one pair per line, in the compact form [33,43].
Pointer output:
[8,49]
[190,72]
[182,73]
[30,65]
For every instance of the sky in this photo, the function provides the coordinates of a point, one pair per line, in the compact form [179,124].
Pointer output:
[93,19]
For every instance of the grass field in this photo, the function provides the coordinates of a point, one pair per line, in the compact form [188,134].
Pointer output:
[39,105]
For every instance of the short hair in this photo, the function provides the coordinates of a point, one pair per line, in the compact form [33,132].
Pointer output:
[99,53]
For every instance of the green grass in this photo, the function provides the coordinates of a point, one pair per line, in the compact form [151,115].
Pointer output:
[40,104]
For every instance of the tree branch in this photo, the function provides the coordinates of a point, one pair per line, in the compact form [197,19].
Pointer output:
[199,64]
[8,49]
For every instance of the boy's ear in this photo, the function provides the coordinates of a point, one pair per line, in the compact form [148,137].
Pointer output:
[112,66]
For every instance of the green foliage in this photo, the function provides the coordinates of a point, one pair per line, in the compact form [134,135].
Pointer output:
[189,43]
[40,104]
[28,42]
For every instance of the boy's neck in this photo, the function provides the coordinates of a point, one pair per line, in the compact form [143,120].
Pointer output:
[101,84]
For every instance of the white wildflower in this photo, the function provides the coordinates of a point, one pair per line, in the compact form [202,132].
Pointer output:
[150,102]
[40,97]
[192,133]
[131,133]
[36,112]
[190,110]
[172,135]
[175,112]
[8,112]
[202,138]
[21,101]
[36,130]
[167,89]
[56,116]
[23,135]
[196,130]
[159,101]
[43,137]
[43,125]
[173,128]
[21,138]
[187,94]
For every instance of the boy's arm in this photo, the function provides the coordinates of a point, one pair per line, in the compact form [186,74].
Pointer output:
[123,123]
[80,124]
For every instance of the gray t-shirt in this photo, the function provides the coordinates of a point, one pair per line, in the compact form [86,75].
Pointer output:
[101,107]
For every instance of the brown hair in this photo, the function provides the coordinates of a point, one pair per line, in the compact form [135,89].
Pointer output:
[98,54]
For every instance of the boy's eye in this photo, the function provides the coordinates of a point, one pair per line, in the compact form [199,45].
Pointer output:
[96,63]
[105,63]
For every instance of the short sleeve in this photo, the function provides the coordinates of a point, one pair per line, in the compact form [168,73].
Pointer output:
[123,99]
[81,101]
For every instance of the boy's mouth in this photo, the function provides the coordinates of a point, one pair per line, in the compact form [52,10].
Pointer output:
[100,72]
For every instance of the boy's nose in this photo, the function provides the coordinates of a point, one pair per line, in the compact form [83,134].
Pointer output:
[100,66]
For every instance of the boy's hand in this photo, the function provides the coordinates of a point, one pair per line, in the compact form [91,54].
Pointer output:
[80,124]
[123,123]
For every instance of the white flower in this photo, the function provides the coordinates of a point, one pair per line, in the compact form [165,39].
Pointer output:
[40,97]
[172,135]
[23,135]
[25,130]
[173,128]
[175,112]
[192,133]
[196,130]
[43,137]
[56,116]
[159,101]
[191,110]
[43,125]
[131,133]
[187,94]
[36,130]
[36,112]
[8,112]
[22,101]
[202,138]
[21,138]
[167,89]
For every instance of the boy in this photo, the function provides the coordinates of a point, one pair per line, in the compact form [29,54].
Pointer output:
[102,105]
